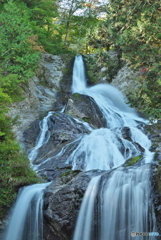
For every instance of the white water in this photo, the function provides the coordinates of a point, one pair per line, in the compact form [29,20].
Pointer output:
[112,104]
[124,203]
[27,218]
[79,78]
[117,205]
[42,139]
[98,150]
[83,228]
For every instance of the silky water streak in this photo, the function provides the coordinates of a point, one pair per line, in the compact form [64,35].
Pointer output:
[26,221]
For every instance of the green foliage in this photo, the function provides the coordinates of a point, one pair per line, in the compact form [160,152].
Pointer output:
[14,171]
[14,166]
[44,14]
[109,61]
[86,119]
[17,55]
[10,85]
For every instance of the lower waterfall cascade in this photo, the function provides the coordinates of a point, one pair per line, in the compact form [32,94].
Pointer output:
[27,217]
[118,200]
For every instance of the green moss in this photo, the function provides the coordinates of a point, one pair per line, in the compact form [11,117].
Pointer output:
[66,70]
[86,119]
[132,161]
[77,96]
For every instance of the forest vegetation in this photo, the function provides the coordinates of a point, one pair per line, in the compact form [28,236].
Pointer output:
[31,27]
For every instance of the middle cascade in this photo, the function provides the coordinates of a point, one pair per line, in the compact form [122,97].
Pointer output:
[110,147]
[121,199]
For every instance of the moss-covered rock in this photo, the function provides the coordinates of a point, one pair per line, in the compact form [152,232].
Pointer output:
[132,161]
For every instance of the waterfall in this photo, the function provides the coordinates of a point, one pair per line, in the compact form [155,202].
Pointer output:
[26,221]
[117,204]
[79,78]
[121,202]
[83,228]
[118,200]
[106,148]
[42,139]
[125,204]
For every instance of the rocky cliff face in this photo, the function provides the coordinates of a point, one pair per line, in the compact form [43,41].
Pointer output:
[47,91]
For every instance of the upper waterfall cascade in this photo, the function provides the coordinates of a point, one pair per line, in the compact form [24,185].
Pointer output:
[117,200]
[79,77]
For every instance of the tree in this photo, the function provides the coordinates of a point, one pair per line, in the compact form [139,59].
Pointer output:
[16,54]
[133,29]
[78,19]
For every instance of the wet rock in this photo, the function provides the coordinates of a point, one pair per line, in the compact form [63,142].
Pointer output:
[85,108]
[62,202]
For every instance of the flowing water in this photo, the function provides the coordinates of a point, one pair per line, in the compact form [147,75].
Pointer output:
[118,203]
[42,139]
[79,78]
[27,218]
